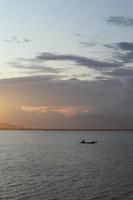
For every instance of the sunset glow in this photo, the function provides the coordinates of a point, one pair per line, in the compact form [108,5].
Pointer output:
[68,110]
[66,63]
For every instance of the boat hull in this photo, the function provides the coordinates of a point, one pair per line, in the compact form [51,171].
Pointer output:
[93,142]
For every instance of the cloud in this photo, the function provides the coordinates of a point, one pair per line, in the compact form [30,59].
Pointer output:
[125,46]
[126,57]
[49,90]
[49,101]
[41,64]
[120,21]
[16,39]
[78,60]
[79,35]
[123,51]
[121,73]
[65,110]
[87,44]
[26,40]
[34,68]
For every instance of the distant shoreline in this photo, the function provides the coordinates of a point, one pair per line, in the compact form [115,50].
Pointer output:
[32,129]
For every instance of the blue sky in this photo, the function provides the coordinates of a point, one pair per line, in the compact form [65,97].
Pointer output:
[54,25]
[78,50]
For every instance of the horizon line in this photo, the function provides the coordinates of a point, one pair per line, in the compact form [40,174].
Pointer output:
[69,129]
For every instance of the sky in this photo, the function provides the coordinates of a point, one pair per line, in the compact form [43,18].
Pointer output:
[66,64]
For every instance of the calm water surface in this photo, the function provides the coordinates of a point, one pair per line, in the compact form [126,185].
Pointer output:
[38,165]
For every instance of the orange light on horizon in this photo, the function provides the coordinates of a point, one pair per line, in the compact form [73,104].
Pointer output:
[66,110]
[3,105]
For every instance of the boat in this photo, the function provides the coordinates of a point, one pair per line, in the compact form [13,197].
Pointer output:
[84,142]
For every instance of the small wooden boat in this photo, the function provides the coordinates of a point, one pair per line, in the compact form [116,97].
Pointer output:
[84,142]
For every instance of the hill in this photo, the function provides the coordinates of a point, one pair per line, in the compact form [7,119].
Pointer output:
[4,126]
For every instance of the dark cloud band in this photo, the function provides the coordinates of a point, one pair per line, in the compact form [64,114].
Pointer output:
[120,21]
[79,60]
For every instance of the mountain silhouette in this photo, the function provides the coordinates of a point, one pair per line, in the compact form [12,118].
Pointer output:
[4,126]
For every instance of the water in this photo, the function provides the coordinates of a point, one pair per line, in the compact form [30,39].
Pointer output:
[38,165]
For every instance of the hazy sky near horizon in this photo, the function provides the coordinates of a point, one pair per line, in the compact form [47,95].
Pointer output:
[66,64]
